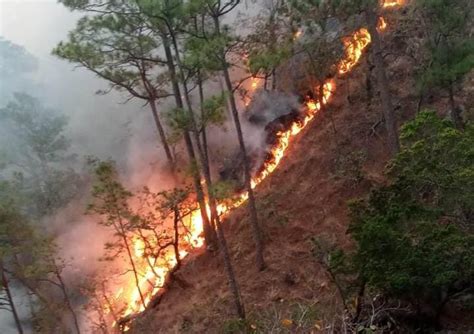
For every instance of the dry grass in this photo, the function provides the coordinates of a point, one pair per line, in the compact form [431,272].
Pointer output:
[305,197]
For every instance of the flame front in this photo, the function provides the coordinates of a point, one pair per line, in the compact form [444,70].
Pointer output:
[152,277]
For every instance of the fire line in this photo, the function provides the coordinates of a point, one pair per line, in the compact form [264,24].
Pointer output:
[153,277]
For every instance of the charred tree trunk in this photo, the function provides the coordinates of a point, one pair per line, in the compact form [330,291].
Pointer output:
[382,82]
[257,233]
[6,287]
[274,79]
[162,134]
[176,238]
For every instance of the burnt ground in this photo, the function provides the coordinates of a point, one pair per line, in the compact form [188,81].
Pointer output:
[305,197]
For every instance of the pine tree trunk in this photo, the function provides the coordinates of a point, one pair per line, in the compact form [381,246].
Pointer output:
[257,234]
[162,134]
[239,306]
[209,233]
[202,158]
[6,287]
[67,300]
[382,82]
[121,230]
[176,238]
[274,79]
[203,127]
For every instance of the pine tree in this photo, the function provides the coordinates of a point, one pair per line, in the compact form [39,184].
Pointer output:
[450,49]
[118,48]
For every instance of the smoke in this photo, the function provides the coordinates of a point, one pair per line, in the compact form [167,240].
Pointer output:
[105,127]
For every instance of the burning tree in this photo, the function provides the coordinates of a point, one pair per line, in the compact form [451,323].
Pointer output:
[369,12]
[216,47]
[159,21]
[110,202]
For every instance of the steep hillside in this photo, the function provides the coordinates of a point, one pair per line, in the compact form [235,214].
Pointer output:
[330,162]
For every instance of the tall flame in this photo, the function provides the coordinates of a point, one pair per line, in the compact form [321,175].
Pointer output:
[152,277]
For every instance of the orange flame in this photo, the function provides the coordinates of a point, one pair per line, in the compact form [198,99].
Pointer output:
[153,277]
[393,3]
[297,34]
[354,46]
[381,24]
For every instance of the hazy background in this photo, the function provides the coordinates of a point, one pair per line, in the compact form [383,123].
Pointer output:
[99,125]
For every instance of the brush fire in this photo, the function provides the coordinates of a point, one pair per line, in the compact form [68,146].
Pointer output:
[152,270]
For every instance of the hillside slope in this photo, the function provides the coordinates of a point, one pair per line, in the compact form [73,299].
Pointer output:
[329,163]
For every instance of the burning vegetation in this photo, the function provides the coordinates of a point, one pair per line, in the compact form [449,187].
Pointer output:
[197,75]
[152,268]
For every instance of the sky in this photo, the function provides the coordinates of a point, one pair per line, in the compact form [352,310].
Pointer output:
[24,21]
[39,25]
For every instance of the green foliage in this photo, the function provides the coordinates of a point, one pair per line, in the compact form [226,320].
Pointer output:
[207,53]
[37,157]
[110,197]
[14,232]
[267,60]
[15,59]
[213,110]
[414,241]
[436,166]
[236,326]
[178,119]
[117,48]
[40,131]
[223,190]
[449,63]
[451,51]
[15,66]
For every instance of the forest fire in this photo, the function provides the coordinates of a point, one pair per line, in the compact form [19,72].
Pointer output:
[393,3]
[153,271]
[354,46]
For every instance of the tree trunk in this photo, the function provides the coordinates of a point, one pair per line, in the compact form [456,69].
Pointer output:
[382,82]
[239,306]
[257,234]
[176,238]
[66,297]
[202,158]
[132,263]
[274,79]
[455,112]
[203,127]
[209,233]
[162,134]
[6,287]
